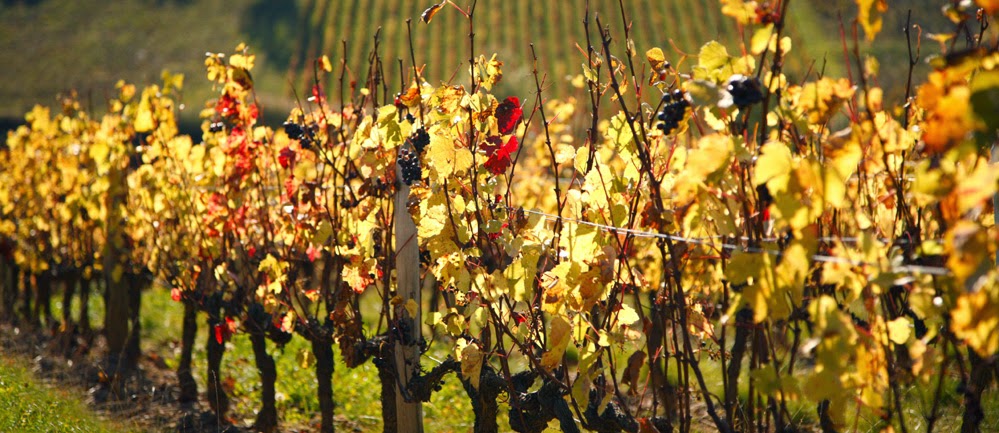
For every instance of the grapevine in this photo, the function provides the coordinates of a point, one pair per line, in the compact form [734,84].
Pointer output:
[729,240]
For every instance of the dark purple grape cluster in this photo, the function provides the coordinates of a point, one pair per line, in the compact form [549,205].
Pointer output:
[301,132]
[294,130]
[409,165]
[420,140]
[674,110]
[745,90]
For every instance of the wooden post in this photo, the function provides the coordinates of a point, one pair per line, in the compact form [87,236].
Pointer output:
[407,350]
[116,324]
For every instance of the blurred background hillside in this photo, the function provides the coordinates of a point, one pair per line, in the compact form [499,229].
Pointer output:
[52,46]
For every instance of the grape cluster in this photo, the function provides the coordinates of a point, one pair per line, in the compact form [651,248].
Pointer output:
[674,110]
[294,130]
[745,90]
[298,131]
[420,139]
[409,165]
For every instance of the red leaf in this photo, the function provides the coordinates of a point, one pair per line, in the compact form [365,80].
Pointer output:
[317,95]
[492,144]
[219,334]
[313,253]
[287,157]
[519,317]
[508,115]
[500,159]
[175,294]
[226,105]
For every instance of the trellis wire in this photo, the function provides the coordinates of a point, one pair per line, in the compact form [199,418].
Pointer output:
[710,242]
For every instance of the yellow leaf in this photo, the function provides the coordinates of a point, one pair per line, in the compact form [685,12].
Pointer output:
[773,167]
[306,359]
[288,321]
[411,307]
[582,158]
[713,153]
[268,264]
[603,340]
[742,11]
[967,246]
[433,319]
[242,61]
[713,55]
[324,62]
[446,157]
[755,272]
[558,338]
[899,330]
[974,189]
[841,158]
[471,364]
[144,119]
[761,39]
[627,315]
[656,58]
[564,153]
[975,319]
[869,15]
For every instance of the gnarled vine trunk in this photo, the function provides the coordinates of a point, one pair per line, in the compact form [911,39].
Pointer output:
[85,286]
[43,302]
[267,420]
[188,387]
[322,348]
[9,297]
[215,348]
[68,335]
[26,311]
[133,349]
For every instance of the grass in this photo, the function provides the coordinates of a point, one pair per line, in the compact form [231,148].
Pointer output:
[356,391]
[28,405]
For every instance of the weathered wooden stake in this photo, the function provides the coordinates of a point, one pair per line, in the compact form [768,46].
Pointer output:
[407,349]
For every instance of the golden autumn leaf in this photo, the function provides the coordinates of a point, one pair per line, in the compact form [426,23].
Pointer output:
[559,334]
[428,13]
[948,119]
[656,58]
[869,15]
[744,12]
[899,330]
[324,63]
[975,319]
[446,157]
[471,363]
